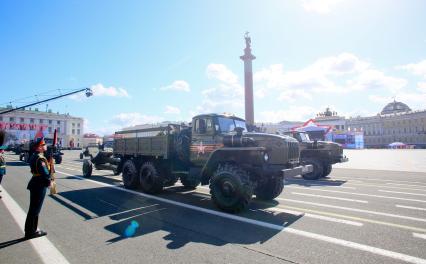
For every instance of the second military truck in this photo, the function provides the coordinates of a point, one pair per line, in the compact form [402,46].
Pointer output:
[215,150]
[320,154]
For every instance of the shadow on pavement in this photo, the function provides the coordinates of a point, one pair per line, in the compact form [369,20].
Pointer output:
[12,242]
[135,216]
[16,163]
[308,183]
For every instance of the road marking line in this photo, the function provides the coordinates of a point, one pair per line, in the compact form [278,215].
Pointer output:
[330,197]
[341,242]
[411,207]
[354,209]
[362,194]
[42,245]
[423,236]
[419,194]
[321,217]
[403,184]
[369,179]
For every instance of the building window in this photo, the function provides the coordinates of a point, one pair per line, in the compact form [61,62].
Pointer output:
[73,124]
[50,122]
[58,122]
[58,129]
[1,118]
[32,120]
[50,130]
[73,131]
[41,121]
[11,119]
[22,120]
[78,125]
[78,131]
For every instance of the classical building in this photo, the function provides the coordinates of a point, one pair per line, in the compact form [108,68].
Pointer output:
[22,125]
[395,123]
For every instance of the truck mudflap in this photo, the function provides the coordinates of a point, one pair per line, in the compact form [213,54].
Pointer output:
[300,170]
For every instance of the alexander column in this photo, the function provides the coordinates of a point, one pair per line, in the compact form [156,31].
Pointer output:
[248,81]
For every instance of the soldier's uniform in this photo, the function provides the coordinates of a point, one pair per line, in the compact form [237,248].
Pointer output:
[37,185]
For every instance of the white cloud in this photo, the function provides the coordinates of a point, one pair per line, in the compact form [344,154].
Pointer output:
[294,113]
[374,79]
[172,110]
[221,73]
[415,68]
[320,6]
[227,95]
[421,86]
[325,75]
[179,85]
[100,90]
[133,119]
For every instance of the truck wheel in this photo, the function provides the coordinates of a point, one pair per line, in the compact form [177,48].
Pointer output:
[270,189]
[231,188]
[326,170]
[87,168]
[81,155]
[21,157]
[130,175]
[188,182]
[58,159]
[316,172]
[151,181]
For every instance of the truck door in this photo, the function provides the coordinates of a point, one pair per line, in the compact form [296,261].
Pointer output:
[204,140]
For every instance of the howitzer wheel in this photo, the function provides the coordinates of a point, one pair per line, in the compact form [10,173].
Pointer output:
[130,175]
[150,179]
[231,188]
[270,189]
[87,168]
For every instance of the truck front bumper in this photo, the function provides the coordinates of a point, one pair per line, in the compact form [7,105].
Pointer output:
[299,170]
[343,159]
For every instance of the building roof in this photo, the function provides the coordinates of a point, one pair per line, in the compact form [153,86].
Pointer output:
[395,107]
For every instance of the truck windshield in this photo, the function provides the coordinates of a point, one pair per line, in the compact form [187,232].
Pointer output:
[304,137]
[228,124]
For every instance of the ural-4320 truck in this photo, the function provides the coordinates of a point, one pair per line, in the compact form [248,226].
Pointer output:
[215,150]
[320,154]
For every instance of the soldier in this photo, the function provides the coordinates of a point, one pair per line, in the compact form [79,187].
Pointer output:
[2,164]
[38,184]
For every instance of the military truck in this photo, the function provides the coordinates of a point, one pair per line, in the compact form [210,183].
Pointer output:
[216,150]
[91,150]
[27,148]
[320,154]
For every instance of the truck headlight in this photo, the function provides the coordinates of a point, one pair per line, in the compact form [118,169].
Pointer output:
[266,157]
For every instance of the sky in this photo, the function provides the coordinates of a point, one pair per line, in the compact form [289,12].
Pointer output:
[154,61]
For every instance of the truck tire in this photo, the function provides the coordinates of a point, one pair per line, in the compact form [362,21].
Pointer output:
[21,157]
[150,180]
[316,172]
[116,171]
[189,183]
[231,188]
[87,168]
[327,170]
[81,155]
[270,189]
[130,175]
[58,159]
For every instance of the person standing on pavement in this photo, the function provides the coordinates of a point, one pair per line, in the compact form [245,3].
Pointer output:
[37,186]
[2,164]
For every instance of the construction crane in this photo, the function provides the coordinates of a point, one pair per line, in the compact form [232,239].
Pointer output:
[88,92]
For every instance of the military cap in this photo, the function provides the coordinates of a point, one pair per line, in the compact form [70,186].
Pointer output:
[39,142]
